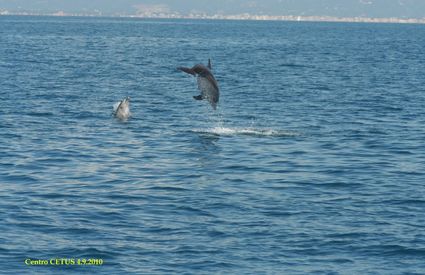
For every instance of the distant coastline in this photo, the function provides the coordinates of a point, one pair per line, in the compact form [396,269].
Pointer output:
[244,16]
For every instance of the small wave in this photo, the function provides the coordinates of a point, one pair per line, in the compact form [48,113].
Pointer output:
[226,131]
[293,65]
[40,114]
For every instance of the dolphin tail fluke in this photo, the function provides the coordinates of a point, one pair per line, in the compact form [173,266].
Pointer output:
[209,64]
[187,70]
[198,97]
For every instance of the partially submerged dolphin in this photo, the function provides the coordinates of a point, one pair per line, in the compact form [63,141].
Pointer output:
[122,109]
[207,84]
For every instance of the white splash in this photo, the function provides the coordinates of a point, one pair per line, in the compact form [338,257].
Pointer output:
[226,131]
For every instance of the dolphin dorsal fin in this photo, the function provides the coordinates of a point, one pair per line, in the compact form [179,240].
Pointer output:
[209,64]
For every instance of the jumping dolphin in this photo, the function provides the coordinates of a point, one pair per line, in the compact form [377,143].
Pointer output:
[206,83]
[122,109]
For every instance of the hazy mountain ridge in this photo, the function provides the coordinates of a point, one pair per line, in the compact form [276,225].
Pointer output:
[336,8]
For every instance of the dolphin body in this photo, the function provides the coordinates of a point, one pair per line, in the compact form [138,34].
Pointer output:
[207,84]
[122,109]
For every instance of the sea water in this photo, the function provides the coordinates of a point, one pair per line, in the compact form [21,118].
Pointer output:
[313,161]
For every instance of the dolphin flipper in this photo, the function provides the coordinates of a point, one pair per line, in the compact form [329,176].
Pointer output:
[198,97]
[209,64]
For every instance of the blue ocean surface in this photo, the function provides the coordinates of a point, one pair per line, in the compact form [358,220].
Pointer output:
[313,161]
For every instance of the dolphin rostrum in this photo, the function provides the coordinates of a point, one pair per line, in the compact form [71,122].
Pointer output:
[207,84]
[122,109]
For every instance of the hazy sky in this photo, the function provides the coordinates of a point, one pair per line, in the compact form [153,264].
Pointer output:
[369,8]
